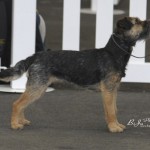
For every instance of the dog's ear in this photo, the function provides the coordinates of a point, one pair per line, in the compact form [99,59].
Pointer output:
[124,24]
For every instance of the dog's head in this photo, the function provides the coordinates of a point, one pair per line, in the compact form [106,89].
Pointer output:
[132,28]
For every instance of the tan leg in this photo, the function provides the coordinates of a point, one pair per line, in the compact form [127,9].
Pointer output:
[29,96]
[109,93]
[23,120]
[115,105]
[16,117]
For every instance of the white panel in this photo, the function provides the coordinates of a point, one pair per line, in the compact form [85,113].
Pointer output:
[23,34]
[104,22]
[138,9]
[71,24]
[93,5]
[138,72]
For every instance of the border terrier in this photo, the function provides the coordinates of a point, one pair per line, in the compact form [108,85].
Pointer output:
[105,66]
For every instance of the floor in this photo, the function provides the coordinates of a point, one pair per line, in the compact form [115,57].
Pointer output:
[73,119]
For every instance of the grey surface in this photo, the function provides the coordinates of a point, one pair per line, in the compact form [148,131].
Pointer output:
[74,120]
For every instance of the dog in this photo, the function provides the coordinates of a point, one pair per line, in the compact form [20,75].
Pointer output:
[105,66]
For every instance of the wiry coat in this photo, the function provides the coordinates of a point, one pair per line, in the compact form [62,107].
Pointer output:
[81,67]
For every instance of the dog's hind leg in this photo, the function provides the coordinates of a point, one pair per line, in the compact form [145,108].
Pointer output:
[29,96]
[109,93]
[35,88]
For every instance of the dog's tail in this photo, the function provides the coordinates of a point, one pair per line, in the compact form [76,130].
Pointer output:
[17,71]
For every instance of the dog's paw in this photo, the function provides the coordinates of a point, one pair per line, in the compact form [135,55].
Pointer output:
[24,122]
[115,128]
[17,126]
[122,126]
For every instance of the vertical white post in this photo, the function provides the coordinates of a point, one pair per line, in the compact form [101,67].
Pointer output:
[116,2]
[71,24]
[138,9]
[104,22]
[94,5]
[23,34]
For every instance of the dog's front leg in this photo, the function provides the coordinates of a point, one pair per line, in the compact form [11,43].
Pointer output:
[115,105]
[109,93]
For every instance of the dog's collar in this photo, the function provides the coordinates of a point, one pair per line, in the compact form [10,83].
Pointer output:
[124,50]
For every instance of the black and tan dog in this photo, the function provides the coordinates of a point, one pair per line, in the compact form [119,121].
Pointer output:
[105,66]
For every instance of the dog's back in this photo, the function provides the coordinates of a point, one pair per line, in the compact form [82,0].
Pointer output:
[80,67]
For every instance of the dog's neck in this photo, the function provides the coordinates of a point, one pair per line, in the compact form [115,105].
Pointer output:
[120,50]
[125,43]
[119,46]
